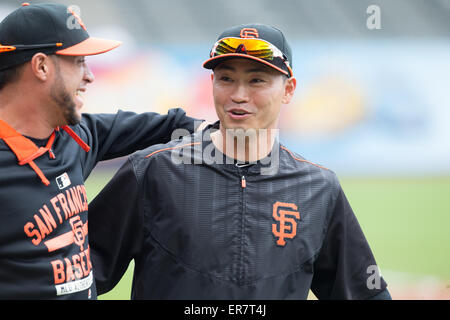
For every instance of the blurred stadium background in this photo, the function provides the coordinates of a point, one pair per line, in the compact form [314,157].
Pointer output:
[372,104]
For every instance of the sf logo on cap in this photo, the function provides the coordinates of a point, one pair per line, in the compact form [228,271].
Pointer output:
[286,228]
[249,33]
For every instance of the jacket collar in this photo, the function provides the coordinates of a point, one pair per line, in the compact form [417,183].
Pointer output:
[266,166]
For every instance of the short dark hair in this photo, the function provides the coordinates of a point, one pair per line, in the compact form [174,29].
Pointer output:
[10,75]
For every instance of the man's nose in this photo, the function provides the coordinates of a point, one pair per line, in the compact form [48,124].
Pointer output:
[88,75]
[240,94]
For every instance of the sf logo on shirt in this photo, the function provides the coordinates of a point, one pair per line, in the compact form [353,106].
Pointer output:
[286,226]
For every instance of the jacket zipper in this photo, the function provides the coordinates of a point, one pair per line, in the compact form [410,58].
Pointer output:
[241,277]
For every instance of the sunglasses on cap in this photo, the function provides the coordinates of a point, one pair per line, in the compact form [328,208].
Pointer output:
[253,48]
[28,47]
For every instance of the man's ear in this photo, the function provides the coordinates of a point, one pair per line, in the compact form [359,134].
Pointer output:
[41,65]
[289,89]
[212,76]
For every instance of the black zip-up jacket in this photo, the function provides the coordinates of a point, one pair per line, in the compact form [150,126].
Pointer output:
[200,227]
[44,250]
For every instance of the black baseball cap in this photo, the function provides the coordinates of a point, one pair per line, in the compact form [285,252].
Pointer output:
[259,42]
[47,28]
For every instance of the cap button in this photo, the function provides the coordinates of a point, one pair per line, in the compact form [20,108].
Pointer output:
[25,4]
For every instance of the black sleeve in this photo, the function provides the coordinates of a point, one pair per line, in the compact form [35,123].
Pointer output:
[345,267]
[115,135]
[383,295]
[115,228]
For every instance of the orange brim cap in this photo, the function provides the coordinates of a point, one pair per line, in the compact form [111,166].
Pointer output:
[90,46]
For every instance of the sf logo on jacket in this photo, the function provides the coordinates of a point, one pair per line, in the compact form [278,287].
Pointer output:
[286,228]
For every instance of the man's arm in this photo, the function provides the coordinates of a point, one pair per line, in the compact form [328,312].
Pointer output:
[383,295]
[115,228]
[345,267]
[115,135]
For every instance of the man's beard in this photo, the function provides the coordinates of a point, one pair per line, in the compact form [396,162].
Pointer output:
[62,98]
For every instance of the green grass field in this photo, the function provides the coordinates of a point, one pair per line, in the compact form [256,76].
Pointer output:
[406,221]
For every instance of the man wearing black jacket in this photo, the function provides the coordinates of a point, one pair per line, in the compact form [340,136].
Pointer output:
[230,213]
[48,149]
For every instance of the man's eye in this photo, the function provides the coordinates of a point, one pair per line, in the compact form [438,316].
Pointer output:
[257,80]
[225,78]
